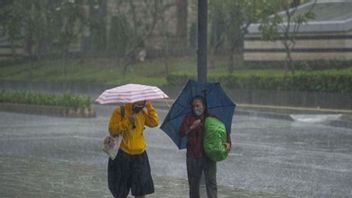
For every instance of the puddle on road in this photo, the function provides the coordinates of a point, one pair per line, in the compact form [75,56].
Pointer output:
[315,118]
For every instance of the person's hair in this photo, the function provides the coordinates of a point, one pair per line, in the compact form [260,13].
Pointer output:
[197,97]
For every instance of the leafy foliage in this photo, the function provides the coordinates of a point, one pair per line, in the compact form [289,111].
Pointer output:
[323,81]
[229,22]
[35,98]
[285,25]
[42,26]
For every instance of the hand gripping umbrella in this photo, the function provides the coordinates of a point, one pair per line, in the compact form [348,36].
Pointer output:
[218,104]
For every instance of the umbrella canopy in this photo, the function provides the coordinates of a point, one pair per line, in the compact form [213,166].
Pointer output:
[218,104]
[130,93]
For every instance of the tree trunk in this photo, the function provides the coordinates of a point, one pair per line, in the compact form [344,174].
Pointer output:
[13,48]
[231,64]
[212,57]
[236,53]
[86,34]
[166,64]
[29,45]
[290,66]
[181,24]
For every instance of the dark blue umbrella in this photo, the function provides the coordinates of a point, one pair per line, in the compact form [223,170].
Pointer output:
[218,104]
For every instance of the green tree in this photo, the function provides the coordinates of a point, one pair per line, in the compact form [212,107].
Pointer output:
[97,23]
[285,25]
[133,23]
[42,26]
[68,21]
[10,23]
[229,22]
[181,22]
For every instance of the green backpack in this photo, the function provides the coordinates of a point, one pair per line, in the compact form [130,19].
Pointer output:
[214,138]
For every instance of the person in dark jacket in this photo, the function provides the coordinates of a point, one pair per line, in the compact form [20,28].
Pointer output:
[197,162]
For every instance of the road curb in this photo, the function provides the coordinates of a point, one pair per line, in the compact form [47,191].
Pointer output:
[278,112]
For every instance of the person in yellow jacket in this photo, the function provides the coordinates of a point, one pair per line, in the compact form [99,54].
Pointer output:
[130,170]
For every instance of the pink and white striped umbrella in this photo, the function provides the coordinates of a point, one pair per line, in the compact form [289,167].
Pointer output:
[130,93]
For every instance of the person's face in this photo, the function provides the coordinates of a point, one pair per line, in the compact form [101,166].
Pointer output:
[198,107]
[138,106]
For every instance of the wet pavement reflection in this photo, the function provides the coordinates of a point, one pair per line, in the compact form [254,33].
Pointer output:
[44,156]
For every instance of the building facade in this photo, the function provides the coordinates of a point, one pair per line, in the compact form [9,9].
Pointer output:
[327,37]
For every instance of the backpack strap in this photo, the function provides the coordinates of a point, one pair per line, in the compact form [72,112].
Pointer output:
[122,112]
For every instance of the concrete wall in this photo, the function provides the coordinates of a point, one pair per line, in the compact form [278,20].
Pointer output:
[326,46]
[328,36]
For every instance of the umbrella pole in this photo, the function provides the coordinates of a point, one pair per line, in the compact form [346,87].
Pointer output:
[202,40]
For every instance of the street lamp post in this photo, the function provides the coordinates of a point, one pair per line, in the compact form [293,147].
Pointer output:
[202,40]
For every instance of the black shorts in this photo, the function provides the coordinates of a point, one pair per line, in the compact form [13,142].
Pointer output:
[130,172]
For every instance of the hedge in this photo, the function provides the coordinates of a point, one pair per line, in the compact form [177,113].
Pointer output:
[35,98]
[303,81]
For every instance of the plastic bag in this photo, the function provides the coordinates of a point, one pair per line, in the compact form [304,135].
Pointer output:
[215,138]
[111,145]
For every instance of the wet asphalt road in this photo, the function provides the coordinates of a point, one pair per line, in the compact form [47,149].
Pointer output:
[44,156]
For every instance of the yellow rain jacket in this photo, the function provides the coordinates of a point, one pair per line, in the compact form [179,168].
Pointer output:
[133,137]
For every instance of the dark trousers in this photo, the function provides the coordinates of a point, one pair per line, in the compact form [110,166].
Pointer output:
[195,168]
[130,172]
